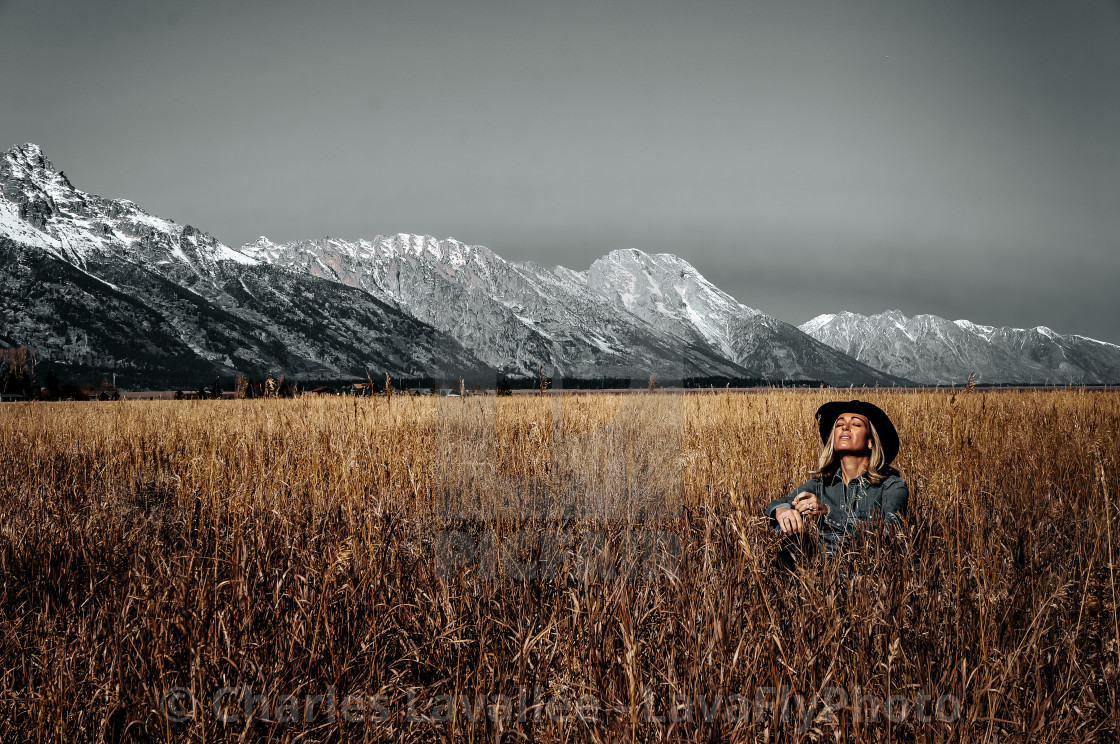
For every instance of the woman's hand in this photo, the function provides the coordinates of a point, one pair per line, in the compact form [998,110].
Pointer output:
[806,508]
[789,520]
[809,505]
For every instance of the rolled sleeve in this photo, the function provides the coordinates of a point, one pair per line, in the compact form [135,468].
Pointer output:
[787,501]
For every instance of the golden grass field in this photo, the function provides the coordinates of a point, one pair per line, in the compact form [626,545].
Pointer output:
[361,567]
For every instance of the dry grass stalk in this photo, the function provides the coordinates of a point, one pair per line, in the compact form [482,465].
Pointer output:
[594,545]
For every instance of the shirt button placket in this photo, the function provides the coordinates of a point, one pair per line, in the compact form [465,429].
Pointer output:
[848,506]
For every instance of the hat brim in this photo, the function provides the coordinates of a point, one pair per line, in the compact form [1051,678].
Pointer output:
[888,435]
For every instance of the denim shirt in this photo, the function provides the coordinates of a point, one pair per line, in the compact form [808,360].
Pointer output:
[850,506]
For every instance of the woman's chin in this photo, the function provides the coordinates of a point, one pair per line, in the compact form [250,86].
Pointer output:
[842,450]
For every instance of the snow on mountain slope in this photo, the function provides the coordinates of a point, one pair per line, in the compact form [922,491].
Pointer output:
[670,294]
[932,350]
[81,270]
[39,207]
[101,283]
[513,315]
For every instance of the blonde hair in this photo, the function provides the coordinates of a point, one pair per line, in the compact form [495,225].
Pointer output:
[877,468]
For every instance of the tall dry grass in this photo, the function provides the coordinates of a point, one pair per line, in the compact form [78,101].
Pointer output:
[604,548]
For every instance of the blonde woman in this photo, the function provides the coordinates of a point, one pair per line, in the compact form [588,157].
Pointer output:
[853,480]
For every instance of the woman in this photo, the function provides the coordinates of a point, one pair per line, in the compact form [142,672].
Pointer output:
[853,480]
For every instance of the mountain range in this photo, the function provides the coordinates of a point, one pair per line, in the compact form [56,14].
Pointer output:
[631,313]
[103,286]
[934,351]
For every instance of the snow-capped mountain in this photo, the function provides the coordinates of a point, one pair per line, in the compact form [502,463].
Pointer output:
[40,208]
[630,314]
[671,295]
[102,284]
[513,315]
[932,350]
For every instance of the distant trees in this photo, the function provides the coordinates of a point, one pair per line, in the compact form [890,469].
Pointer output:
[53,387]
[17,371]
[19,368]
[269,387]
[214,393]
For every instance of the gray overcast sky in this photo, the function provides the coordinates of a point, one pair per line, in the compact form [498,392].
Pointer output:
[954,157]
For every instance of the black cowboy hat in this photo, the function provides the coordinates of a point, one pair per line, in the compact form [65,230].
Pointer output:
[888,435]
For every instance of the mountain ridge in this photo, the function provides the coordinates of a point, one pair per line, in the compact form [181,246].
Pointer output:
[159,300]
[102,282]
[929,349]
[567,317]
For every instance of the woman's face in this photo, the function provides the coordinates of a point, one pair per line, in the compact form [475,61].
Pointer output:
[851,433]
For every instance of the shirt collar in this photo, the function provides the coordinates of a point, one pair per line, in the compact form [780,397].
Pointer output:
[837,475]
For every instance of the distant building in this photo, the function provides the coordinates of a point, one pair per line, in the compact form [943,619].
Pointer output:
[104,390]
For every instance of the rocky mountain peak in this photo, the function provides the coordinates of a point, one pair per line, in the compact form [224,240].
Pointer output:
[24,168]
[933,350]
[29,155]
[448,251]
[40,207]
[635,257]
[813,324]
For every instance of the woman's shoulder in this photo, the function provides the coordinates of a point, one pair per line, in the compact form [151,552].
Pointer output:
[894,479]
[813,482]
